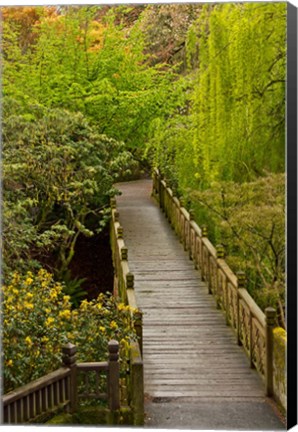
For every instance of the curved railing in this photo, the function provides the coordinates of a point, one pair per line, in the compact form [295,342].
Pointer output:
[254,329]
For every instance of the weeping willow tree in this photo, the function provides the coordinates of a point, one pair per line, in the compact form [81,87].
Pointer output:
[227,133]
[237,53]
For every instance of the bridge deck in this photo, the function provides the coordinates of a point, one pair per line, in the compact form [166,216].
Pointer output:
[190,354]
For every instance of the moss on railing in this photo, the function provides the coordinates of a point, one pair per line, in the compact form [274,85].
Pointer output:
[124,288]
[279,365]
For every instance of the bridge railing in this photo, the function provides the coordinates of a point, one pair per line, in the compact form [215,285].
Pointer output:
[254,329]
[62,389]
[124,288]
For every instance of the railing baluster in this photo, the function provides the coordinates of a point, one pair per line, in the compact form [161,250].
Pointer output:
[97,383]
[38,402]
[32,408]
[250,341]
[6,414]
[26,409]
[14,413]
[86,383]
[44,397]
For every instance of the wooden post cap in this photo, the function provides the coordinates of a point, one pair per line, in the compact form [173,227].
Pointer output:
[241,278]
[124,253]
[120,232]
[270,313]
[220,251]
[204,231]
[113,347]
[69,349]
[116,216]
[130,280]
[69,354]
[138,315]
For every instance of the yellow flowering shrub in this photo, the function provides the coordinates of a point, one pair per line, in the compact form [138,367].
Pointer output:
[38,319]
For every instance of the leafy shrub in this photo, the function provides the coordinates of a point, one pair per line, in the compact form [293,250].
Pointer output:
[249,220]
[57,171]
[38,320]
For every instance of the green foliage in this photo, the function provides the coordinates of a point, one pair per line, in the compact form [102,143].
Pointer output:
[231,123]
[72,287]
[249,220]
[104,75]
[38,320]
[57,170]
[224,137]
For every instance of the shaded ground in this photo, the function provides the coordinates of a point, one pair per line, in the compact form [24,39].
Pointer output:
[93,261]
[213,414]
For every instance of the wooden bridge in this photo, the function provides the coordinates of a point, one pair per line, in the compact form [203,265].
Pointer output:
[202,361]
[195,373]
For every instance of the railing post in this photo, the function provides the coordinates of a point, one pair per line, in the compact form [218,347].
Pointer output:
[120,232]
[138,325]
[113,203]
[204,234]
[220,254]
[69,360]
[124,253]
[241,284]
[113,376]
[116,216]
[137,386]
[191,253]
[270,323]
[130,280]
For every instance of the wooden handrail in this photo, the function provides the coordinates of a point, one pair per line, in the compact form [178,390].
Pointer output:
[252,328]
[35,386]
[124,284]
[93,366]
[60,388]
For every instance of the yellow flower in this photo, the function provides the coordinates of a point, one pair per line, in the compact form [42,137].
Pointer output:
[98,306]
[9,362]
[65,314]
[102,329]
[28,341]
[113,325]
[121,306]
[28,281]
[29,295]
[84,305]
[49,321]
[44,339]
[53,294]
[28,305]
[66,298]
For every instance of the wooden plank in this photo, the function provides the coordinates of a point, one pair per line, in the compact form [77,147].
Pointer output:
[188,350]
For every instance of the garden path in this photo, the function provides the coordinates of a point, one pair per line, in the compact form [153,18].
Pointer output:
[195,375]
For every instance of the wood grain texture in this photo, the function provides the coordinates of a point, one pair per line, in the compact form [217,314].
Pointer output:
[188,350]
